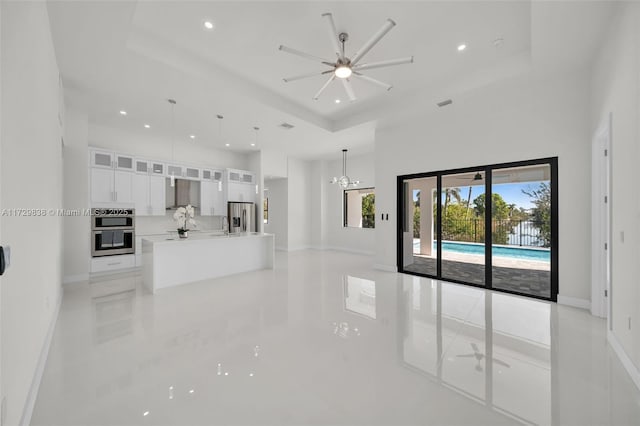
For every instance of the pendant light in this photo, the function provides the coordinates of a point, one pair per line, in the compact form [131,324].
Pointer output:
[256,128]
[172,102]
[344,181]
[220,117]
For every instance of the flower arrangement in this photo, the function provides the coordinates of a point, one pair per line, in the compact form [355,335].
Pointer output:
[184,217]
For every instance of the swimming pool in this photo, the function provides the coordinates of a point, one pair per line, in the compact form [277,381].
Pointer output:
[523,253]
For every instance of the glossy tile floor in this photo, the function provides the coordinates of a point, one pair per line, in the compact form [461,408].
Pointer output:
[326,340]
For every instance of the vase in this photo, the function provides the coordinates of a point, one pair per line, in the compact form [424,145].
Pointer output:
[183,233]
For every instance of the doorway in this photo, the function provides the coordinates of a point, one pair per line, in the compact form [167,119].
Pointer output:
[490,226]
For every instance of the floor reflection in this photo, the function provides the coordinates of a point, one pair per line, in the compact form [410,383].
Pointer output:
[492,348]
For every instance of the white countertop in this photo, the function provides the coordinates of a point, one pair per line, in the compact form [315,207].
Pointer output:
[199,236]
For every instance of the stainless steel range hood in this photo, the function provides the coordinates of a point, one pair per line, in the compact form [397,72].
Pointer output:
[183,193]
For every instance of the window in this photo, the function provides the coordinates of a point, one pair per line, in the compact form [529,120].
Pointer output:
[359,208]
[265,210]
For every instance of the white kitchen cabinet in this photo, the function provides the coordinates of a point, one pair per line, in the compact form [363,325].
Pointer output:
[149,195]
[212,202]
[102,159]
[108,186]
[123,186]
[102,185]
[142,167]
[206,197]
[241,192]
[141,194]
[157,195]
[191,173]
[112,263]
[175,170]
[124,163]
[247,177]
[157,168]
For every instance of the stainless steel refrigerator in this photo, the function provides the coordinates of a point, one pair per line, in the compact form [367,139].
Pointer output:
[242,217]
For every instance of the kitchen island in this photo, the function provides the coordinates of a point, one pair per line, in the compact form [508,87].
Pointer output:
[169,261]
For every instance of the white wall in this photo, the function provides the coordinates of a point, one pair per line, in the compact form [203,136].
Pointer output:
[299,204]
[319,184]
[76,253]
[274,163]
[520,119]
[277,192]
[150,146]
[31,178]
[616,90]
[338,237]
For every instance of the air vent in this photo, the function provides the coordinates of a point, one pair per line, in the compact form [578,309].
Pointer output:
[445,103]
[287,126]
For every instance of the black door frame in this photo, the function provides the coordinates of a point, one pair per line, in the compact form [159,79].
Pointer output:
[401,222]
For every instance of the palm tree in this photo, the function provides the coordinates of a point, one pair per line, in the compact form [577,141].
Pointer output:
[448,193]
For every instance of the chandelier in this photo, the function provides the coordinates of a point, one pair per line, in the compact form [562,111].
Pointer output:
[344,181]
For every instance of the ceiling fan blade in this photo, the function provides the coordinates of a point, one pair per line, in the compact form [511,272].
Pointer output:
[333,33]
[317,95]
[301,76]
[386,27]
[347,88]
[305,55]
[381,64]
[373,80]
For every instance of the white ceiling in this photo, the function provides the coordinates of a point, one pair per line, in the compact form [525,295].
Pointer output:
[134,55]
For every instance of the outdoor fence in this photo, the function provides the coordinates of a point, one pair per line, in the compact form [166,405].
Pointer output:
[504,231]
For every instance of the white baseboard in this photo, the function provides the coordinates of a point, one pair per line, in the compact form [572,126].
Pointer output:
[350,250]
[388,268]
[70,279]
[575,302]
[297,248]
[624,358]
[30,403]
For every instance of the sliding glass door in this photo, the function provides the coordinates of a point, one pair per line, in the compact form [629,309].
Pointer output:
[449,230]
[462,249]
[521,229]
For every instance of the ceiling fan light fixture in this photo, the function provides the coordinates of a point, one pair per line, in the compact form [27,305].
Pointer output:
[343,71]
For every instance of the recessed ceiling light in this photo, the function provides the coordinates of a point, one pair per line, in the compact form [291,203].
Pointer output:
[208,25]
[253,144]
[226,144]
[146,126]
[123,112]
[192,136]
[338,101]
[462,47]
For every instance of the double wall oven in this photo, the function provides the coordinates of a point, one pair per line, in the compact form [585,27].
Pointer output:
[112,231]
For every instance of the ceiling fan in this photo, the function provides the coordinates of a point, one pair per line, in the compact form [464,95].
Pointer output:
[479,356]
[344,67]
